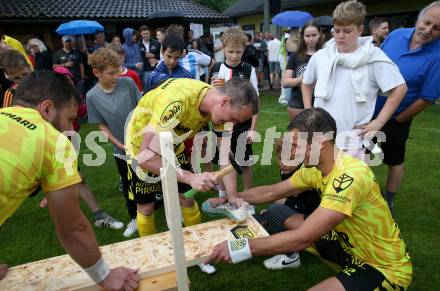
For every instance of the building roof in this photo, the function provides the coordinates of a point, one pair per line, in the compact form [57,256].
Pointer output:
[246,7]
[56,10]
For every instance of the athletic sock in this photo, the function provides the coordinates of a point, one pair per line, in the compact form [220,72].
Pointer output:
[146,225]
[389,196]
[99,214]
[191,215]
[222,193]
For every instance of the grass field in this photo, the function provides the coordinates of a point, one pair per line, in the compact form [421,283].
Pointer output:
[29,235]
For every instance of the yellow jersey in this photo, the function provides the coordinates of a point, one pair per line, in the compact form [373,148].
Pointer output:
[33,154]
[172,106]
[369,232]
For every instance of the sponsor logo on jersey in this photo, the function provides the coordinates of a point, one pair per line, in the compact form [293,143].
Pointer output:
[20,120]
[342,183]
[171,113]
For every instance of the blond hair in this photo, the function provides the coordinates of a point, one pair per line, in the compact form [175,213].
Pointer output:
[349,12]
[103,58]
[234,36]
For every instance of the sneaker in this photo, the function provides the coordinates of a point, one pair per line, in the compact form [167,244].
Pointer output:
[283,102]
[120,187]
[283,262]
[131,228]
[108,221]
[207,268]
[229,210]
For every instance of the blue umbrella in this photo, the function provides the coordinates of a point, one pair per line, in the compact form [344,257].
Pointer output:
[79,27]
[292,18]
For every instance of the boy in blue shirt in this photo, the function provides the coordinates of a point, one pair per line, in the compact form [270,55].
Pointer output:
[172,49]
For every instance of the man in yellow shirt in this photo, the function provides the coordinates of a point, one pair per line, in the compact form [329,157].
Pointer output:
[182,106]
[352,226]
[34,154]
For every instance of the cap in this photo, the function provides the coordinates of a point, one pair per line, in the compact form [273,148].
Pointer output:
[67,38]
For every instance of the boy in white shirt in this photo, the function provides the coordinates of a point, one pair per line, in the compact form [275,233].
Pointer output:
[346,76]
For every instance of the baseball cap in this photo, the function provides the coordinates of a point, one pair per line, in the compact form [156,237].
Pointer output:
[67,38]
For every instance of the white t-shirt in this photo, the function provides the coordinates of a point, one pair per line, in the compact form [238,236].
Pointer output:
[219,56]
[273,48]
[342,105]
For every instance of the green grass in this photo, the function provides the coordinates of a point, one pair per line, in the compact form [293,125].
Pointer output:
[29,235]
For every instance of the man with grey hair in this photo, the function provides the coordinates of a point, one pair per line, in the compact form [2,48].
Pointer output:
[416,51]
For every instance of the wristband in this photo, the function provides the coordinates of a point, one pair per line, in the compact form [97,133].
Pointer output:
[239,250]
[99,271]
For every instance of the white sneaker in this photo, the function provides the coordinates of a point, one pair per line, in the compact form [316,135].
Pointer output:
[131,228]
[283,262]
[108,221]
[207,268]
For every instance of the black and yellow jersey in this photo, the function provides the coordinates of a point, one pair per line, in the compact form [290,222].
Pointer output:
[368,233]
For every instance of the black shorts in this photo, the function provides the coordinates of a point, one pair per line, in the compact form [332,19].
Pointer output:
[144,192]
[355,275]
[365,277]
[242,151]
[295,99]
[396,134]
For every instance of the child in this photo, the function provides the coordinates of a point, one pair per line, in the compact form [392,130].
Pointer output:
[172,49]
[349,72]
[125,72]
[109,103]
[15,68]
[234,42]
[102,219]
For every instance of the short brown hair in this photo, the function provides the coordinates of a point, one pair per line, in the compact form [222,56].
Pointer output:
[234,36]
[349,12]
[242,93]
[104,57]
[144,27]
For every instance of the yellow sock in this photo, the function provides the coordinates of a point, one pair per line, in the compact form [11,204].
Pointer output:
[146,225]
[191,215]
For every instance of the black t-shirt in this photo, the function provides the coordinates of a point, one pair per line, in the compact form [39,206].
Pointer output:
[60,57]
[250,56]
[154,48]
[298,67]
[43,61]
[242,71]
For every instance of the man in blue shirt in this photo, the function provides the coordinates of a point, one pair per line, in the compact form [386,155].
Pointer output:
[416,51]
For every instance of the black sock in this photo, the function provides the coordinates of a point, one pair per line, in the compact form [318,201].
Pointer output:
[99,214]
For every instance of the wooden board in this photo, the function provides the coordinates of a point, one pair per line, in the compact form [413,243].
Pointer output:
[172,208]
[164,282]
[152,255]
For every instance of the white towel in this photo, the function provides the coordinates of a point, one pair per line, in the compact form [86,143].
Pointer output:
[357,62]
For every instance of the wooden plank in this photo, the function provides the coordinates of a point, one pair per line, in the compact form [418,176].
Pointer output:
[164,282]
[152,255]
[172,207]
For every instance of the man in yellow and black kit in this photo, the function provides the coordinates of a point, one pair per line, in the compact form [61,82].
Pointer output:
[184,107]
[34,154]
[352,227]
